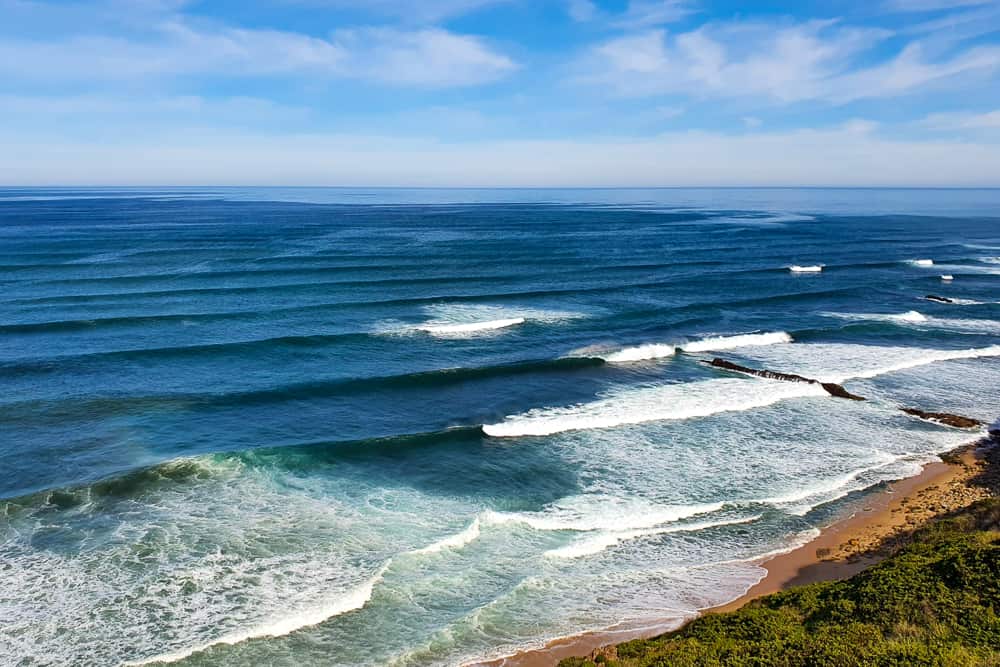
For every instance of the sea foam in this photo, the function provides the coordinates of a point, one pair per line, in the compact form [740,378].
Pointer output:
[599,543]
[653,403]
[599,512]
[351,601]
[661,350]
[816,268]
[456,541]
[836,363]
[918,319]
[469,327]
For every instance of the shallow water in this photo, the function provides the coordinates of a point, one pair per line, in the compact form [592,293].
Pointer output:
[417,427]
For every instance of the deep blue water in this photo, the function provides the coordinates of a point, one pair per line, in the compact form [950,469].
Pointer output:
[420,427]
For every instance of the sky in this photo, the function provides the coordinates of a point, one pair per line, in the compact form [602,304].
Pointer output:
[509,93]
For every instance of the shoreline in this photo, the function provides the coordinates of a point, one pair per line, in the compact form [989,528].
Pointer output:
[845,547]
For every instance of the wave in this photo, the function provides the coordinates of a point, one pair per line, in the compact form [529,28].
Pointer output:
[600,512]
[916,318]
[660,350]
[836,363]
[921,262]
[352,601]
[470,327]
[797,541]
[840,362]
[641,353]
[81,407]
[830,490]
[456,541]
[733,342]
[599,543]
[653,403]
[816,268]
[459,320]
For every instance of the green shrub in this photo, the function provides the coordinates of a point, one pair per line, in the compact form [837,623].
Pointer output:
[933,603]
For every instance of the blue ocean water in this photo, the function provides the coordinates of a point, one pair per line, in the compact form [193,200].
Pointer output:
[425,427]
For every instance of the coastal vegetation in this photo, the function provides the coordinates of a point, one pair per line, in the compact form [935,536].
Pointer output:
[934,602]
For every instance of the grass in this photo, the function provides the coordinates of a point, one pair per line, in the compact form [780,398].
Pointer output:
[935,602]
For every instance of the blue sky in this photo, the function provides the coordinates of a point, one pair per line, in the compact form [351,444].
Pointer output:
[500,92]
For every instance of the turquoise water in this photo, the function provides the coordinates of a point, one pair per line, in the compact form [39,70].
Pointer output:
[425,427]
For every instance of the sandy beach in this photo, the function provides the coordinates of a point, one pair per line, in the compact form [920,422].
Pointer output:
[844,548]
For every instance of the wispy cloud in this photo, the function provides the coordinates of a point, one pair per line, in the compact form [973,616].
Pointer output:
[815,60]
[417,11]
[422,57]
[637,14]
[933,5]
[649,13]
[963,121]
[582,10]
[851,154]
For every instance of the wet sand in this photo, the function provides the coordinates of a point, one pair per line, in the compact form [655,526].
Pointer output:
[842,549]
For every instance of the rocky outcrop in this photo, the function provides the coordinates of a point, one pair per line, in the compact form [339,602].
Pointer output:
[830,387]
[939,299]
[945,418]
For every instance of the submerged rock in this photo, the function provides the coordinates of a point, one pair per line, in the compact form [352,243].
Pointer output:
[945,418]
[939,299]
[831,388]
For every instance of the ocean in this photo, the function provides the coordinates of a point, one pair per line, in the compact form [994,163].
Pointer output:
[252,426]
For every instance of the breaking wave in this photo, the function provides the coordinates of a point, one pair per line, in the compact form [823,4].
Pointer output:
[653,403]
[660,350]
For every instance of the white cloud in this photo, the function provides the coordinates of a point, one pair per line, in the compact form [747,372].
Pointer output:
[752,122]
[933,5]
[852,154]
[963,121]
[429,57]
[582,10]
[139,108]
[649,13]
[425,57]
[789,63]
[419,11]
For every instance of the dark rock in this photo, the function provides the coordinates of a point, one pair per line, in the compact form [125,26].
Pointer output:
[939,299]
[770,375]
[840,392]
[945,418]
[831,388]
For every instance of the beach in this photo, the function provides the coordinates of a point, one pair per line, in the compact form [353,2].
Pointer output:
[844,548]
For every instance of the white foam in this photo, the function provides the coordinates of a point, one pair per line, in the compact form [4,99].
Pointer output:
[641,353]
[469,327]
[601,513]
[733,342]
[839,362]
[798,541]
[816,268]
[604,541]
[910,316]
[919,319]
[922,262]
[461,320]
[947,277]
[653,403]
[305,618]
[829,490]
[456,541]
[662,351]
